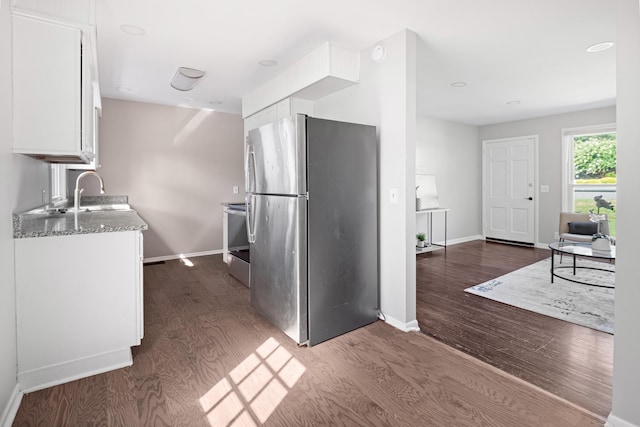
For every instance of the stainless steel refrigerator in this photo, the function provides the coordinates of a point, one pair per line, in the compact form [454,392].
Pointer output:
[312,224]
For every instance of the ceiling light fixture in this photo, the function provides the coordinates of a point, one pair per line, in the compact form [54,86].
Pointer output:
[186,78]
[599,47]
[133,30]
[513,103]
[458,84]
[215,102]
[268,62]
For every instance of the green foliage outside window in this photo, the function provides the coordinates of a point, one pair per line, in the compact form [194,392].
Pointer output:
[594,159]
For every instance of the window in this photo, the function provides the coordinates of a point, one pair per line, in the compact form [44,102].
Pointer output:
[589,174]
[58,183]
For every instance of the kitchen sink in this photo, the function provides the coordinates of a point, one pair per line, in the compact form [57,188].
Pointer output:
[101,208]
[87,208]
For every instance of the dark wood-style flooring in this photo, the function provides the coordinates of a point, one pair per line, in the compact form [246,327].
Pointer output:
[565,359]
[208,359]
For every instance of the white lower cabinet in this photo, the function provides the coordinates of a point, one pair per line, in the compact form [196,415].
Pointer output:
[79,305]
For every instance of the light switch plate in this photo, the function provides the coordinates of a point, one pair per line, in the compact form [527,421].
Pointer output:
[544,188]
[236,190]
[393,196]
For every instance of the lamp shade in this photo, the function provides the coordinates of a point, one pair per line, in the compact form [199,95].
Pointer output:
[186,78]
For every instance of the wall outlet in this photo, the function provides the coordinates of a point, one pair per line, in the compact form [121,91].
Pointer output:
[236,189]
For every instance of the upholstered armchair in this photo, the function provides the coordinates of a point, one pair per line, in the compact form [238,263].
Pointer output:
[577,227]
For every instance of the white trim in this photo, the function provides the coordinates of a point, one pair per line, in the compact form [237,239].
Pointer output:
[10,411]
[179,256]
[411,326]
[60,373]
[613,421]
[536,189]
[588,130]
[461,240]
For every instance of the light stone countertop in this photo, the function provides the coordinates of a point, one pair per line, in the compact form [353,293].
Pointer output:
[27,225]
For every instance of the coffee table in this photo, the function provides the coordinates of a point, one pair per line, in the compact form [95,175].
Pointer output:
[575,249]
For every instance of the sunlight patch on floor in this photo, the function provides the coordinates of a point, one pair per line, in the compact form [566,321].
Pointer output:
[251,391]
[186,261]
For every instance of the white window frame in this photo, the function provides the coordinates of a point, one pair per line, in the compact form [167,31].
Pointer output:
[58,181]
[568,186]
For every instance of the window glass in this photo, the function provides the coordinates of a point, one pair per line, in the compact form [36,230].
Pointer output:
[58,183]
[591,173]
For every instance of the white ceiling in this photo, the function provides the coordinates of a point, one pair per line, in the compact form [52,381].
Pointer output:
[505,50]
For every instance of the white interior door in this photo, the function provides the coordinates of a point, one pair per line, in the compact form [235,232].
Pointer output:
[508,189]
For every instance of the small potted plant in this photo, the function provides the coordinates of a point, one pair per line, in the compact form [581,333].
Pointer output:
[420,239]
[599,242]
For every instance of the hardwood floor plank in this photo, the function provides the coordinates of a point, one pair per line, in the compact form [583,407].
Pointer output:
[571,361]
[208,359]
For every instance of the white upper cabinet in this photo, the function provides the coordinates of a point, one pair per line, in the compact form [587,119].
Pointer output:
[53,91]
[76,11]
[326,70]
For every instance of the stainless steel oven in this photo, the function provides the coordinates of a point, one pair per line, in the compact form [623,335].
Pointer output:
[238,245]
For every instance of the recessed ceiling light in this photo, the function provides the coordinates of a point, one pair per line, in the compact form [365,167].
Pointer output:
[268,63]
[133,30]
[599,47]
[458,84]
[125,89]
[513,103]
[215,102]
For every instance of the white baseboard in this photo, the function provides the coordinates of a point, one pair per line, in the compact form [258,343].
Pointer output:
[37,379]
[613,421]
[10,411]
[461,240]
[411,326]
[542,245]
[178,256]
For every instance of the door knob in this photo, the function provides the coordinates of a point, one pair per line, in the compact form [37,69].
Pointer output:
[528,198]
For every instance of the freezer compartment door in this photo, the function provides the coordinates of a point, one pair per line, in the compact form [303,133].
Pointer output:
[342,228]
[278,279]
[275,161]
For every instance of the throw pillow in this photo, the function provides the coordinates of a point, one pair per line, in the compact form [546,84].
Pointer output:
[583,228]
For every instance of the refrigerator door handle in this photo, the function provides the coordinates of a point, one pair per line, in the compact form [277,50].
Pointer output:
[250,170]
[251,221]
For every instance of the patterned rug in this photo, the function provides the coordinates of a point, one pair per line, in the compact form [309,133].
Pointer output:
[530,288]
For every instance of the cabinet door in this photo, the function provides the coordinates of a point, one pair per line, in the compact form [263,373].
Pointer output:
[47,87]
[77,299]
[140,286]
[89,131]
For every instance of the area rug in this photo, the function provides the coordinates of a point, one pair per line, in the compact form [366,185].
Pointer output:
[530,288]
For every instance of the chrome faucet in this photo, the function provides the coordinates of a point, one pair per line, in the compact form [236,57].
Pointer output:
[78,191]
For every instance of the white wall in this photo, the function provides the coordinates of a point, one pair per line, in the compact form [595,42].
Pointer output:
[385,97]
[7,290]
[549,131]
[176,165]
[626,369]
[452,153]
